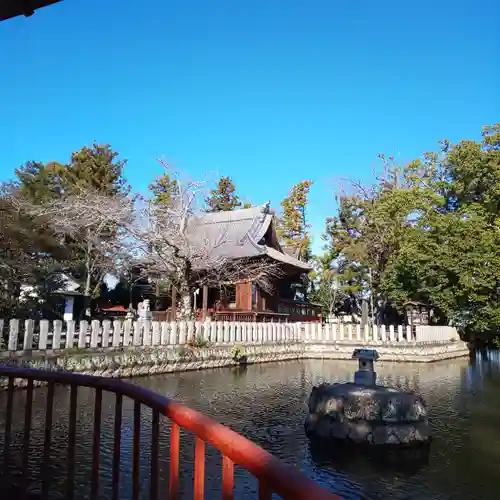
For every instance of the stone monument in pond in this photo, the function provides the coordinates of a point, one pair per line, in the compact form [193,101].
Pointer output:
[364,412]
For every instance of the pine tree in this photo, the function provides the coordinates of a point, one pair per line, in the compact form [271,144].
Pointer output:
[293,225]
[97,167]
[39,182]
[164,189]
[223,198]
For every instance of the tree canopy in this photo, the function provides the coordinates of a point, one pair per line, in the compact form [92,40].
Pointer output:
[428,231]
[293,226]
[96,167]
[38,200]
[223,197]
[164,189]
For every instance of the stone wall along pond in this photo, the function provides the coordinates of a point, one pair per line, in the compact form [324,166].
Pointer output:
[129,349]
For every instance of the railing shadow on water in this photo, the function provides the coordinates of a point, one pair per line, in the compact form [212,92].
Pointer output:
[91,437]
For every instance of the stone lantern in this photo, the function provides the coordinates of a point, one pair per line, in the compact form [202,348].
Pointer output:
[366,373]
[364,412]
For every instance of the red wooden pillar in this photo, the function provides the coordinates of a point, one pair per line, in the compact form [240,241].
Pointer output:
[244,296]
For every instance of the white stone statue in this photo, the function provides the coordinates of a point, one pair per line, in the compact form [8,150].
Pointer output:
[144,309]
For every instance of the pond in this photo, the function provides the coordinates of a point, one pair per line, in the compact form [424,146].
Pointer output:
[267,403]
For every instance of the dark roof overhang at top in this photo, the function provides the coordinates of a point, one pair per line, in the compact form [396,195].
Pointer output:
[14,8]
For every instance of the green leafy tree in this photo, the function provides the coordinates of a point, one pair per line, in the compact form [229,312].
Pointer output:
[452,262]
[95,168]
[56,197]
[292,225]
[223,198]
[30,251]
[450,259]
[428,231]
[473,170]
[372,224]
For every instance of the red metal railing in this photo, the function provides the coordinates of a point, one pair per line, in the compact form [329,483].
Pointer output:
[272,474]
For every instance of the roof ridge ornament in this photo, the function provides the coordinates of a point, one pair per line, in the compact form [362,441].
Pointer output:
[264,210]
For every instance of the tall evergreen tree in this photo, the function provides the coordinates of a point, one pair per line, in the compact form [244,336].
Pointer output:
[164,189]
[50,188]
[91,168]
[293,226]
[223,198]
[40,182]
[98,168]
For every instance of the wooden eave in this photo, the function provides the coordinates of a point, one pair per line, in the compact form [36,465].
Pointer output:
[15,8]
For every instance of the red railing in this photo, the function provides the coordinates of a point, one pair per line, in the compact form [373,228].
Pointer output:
[249,316]
[272,474]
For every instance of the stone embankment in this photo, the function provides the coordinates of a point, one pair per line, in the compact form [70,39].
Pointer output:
[400,352]
[146,361]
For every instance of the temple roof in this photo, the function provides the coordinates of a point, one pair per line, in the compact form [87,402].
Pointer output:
[240,234]
[291,250]
[68,285]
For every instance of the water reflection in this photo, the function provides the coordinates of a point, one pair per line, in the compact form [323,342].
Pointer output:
[348,457]
[267,403]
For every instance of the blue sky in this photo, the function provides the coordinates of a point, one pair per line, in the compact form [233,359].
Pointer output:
[270,92]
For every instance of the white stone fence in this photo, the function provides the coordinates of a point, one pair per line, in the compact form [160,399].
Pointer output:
[42,335]
[333,332]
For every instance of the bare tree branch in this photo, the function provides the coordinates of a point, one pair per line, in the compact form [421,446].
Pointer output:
[170,246]
[163,238]
[92,223]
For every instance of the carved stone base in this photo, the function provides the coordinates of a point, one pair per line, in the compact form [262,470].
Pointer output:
[372,415]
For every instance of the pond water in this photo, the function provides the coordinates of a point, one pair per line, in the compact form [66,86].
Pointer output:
[267,403]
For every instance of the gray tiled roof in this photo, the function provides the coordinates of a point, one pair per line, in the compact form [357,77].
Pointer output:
[237,234]
[69,286]
[288,259]
[293,251]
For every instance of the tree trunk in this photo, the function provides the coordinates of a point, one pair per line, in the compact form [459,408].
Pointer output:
[185,309]
[86,291]
[185,302]
[332,304]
